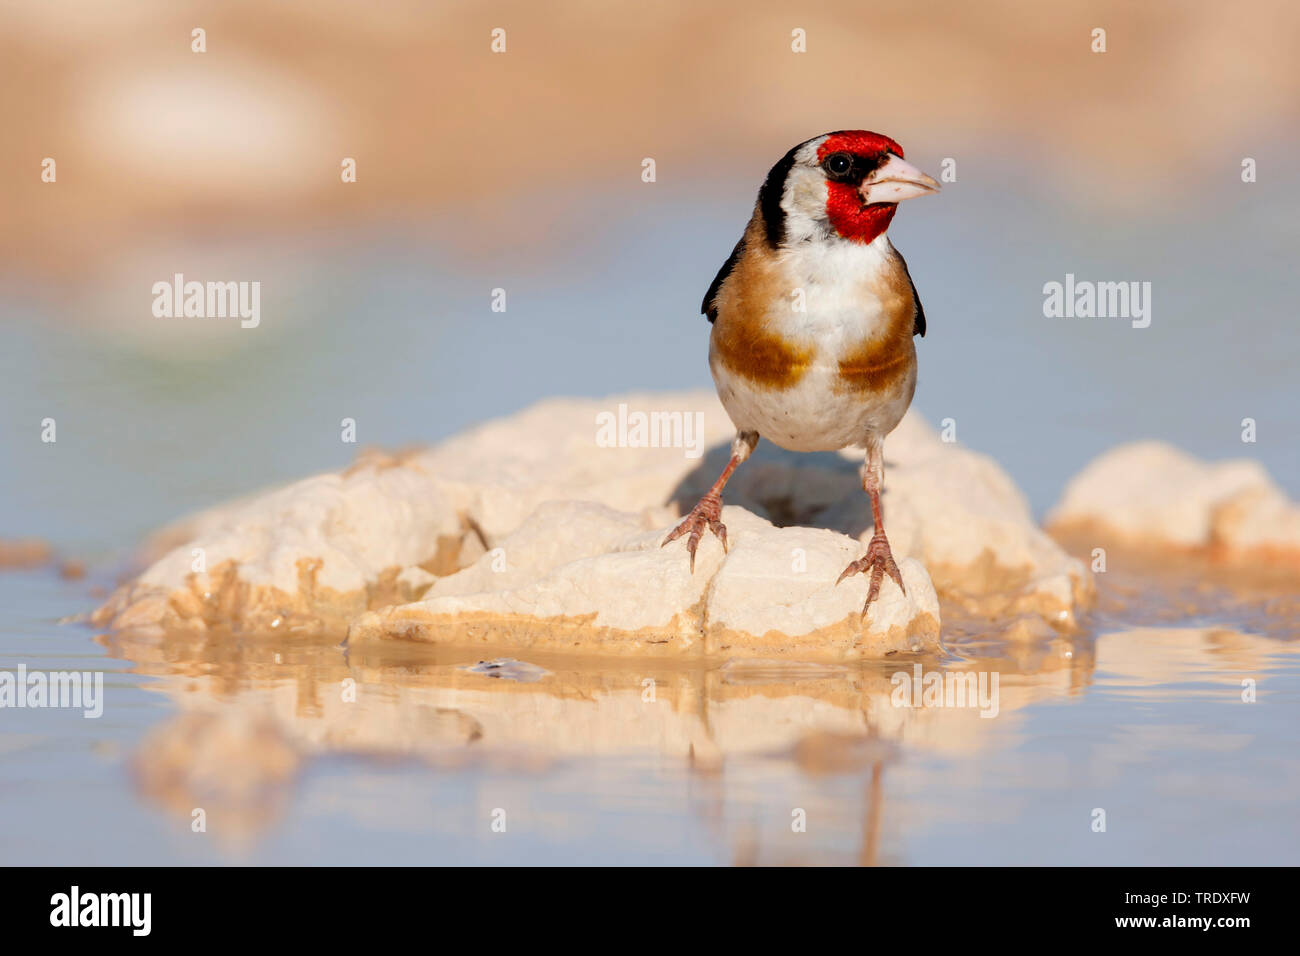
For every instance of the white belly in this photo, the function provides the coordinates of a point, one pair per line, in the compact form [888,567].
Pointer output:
[815,414]
[820,411]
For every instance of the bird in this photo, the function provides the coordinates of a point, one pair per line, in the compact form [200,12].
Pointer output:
[814,316]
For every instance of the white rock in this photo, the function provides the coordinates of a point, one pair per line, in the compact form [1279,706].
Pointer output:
[312,555]
[774,594]
[1152,495]
[501,471]
[556,533]
[955,510]
[416,579]
[965,518]
[303,557]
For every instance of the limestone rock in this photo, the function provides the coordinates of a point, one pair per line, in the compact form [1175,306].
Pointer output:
[306,557]
[774,594]
[499,472]
[954,509]
[555,514]
[1151,495]
[964,517]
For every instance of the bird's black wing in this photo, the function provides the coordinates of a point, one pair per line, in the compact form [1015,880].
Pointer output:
[707,307]
[918,320]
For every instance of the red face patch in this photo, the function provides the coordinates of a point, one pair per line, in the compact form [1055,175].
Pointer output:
[853,220]
[860,142]
[844,207]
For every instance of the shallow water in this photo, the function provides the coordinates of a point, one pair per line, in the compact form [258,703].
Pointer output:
[619,762]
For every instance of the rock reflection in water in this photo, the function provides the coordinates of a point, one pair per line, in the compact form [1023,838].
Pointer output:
[254,712]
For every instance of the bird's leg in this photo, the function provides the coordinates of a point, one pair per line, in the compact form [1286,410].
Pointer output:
[708,512]
[878,560]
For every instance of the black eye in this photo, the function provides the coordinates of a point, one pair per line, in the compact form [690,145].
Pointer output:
[839,164]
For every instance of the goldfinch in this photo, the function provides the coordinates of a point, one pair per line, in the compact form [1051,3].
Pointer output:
[813,319]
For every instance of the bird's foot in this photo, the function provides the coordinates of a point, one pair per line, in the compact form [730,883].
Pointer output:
[879,560]
[706,514]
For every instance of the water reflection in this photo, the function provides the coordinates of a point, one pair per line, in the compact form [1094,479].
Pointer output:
[748,742]
[253,713]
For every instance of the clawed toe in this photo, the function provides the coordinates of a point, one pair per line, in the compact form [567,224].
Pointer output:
[879,561]
[706,514]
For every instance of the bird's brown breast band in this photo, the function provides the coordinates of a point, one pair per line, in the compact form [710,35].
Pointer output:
[881,362]
[746,345]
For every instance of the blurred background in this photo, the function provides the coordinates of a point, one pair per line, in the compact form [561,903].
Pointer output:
[522,170]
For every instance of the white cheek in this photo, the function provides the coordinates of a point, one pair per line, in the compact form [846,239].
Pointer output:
[809,194]
[805,206]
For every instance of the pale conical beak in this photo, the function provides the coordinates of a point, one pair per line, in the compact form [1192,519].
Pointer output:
[895,180]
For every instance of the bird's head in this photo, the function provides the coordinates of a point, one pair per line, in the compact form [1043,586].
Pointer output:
[845,184]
